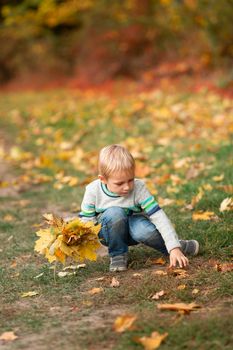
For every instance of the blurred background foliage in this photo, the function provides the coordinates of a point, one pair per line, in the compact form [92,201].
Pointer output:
[103,39]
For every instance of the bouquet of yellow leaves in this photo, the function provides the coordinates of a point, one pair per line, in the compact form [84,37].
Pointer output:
[74,239]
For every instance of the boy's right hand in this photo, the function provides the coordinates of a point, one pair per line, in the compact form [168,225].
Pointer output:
[176,256]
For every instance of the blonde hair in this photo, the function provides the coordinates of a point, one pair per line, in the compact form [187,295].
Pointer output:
[115,158]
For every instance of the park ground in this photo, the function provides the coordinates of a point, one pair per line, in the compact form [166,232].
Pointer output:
[49,147]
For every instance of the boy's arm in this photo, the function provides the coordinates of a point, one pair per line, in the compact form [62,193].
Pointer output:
[167,231]
[165,228]
[163,225]
[88,212]
[157,217]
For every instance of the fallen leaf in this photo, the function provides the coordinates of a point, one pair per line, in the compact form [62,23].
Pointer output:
[115,282]
[226,188]
[178,272]
[226,267]
[29,294]
[226,205]
[8,336]
[157,295]
[218,178]
[9,218]
[204,215]
[152,342]
[159,261]
[24,202]
[179,307]
[207,187]
[159,273]
[74,267]
[142,170]
[99,279]
[95,291]
[65,273]
[137,274]
[197,198]
[123,323]
[13,265]
[40,275]
[165,201]
[181,287]
[195,291]
[171,189]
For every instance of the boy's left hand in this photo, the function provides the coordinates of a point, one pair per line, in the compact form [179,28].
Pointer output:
[176,256]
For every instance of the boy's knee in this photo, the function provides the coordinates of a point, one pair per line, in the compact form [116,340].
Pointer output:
[114,214]
[143,231]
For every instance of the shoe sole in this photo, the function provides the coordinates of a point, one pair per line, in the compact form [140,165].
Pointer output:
[117,269]
[197,248]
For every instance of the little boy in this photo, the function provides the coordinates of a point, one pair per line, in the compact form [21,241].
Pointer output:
[128,213]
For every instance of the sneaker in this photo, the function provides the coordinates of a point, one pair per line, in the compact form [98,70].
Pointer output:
[118,263]
[189,247]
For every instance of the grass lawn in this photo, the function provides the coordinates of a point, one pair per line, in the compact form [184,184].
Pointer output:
[48,152]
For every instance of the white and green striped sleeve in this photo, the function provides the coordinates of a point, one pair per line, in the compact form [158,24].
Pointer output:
[88,212]
[157,217]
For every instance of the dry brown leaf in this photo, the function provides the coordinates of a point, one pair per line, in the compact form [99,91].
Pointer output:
[8,218]
[137,274]
[226,188]
[179,307]
[195,291]
[99,279]
[8,336]
[205,215]
[165,201]
[180,273]
[159,261]
[159,273]
[157,295]
[226,205]
[143,170]
[24,202]
[115,282]
[152,342]
[171,189]
[226,267]
[29,294]
[95,291]
[197,198]
[181,287]
[124,322]
[218,178]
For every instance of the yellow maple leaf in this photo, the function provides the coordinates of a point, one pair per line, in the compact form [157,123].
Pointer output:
[95,291]
[206,215]
[152,342]
[75,239]
[226,204]
[179,307]
[8,336]
[45,241]
[124,322]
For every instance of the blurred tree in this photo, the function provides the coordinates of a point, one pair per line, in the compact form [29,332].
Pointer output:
[116,38]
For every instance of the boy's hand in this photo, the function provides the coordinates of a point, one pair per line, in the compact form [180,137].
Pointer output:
[176,256]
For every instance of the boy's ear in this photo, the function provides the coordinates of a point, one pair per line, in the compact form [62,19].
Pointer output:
[102,178]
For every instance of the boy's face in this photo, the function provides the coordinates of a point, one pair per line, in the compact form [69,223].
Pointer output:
[119,183]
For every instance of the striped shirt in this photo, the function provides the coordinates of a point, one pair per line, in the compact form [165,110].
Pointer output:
[98,198]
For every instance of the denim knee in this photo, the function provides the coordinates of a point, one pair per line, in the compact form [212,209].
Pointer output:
[142,230]
[113,215]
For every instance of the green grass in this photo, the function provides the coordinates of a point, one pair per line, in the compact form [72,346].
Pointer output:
[63,131]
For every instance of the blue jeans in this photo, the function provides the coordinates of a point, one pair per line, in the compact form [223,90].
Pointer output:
[119,231]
